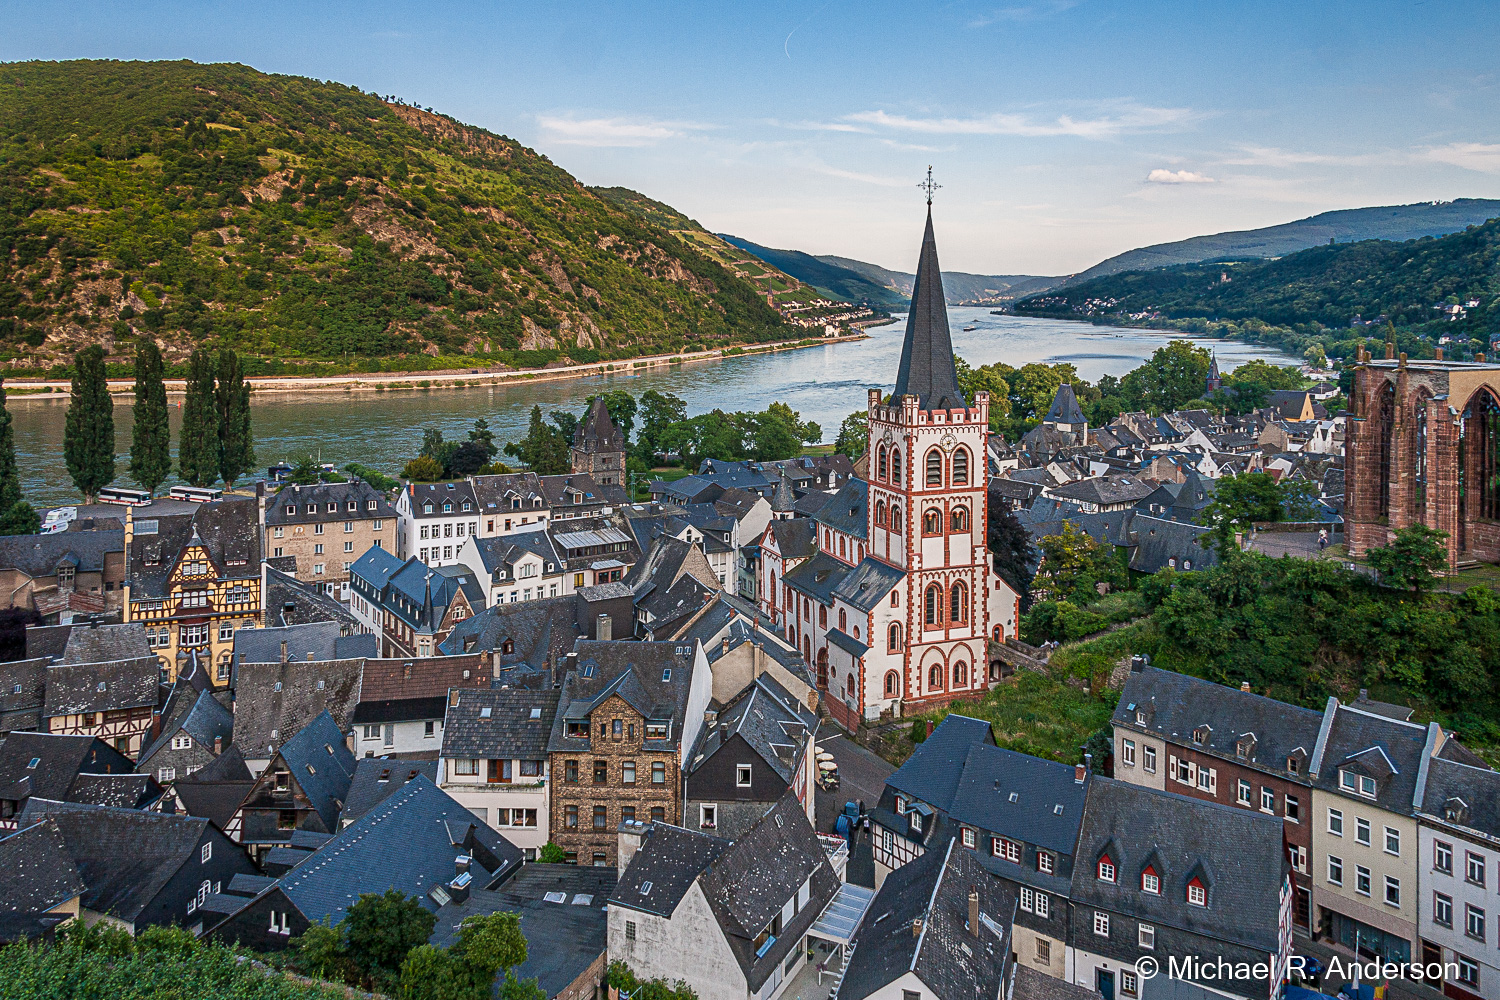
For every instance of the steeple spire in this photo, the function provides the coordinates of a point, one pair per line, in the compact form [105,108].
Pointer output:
[927,370]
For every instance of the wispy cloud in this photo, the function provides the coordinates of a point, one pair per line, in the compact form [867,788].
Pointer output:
[612,131]
[1481,156]
[1022,12]
[819,167]
[1270,156]
[1160,176]
[1112,121]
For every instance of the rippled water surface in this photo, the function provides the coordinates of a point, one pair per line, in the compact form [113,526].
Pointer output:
[825,384]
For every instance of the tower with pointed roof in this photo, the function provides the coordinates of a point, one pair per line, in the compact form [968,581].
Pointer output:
[1215,381]
[599,447]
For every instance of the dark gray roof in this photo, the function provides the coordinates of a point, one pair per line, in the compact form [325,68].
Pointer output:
[1029,984]
[228,766]
[1389,750]
[36,873]
[848,510]
[229,529]
[927,370]
[846,642]
[215,801]
[408,842]
[794,537]
[597,432]
[933,772]
[376,778]
[665,866]
[47,641]
[60,760]
[869,584]
[318,641]
[289,601]
[1236,853]
[499,553]
[273,701]
[496,723]
[321,765]
[22,689]
[1173,705]
[74,688]
[122,791]
[951,959]
[454,493]
[320,495]
[1463,796]
[818,577]
[537,631]
[991,775]
[1106,490]
[101,643]
[1064,409]
[124,856]
[638,673]
[41,555]
[766,716]
[495,493]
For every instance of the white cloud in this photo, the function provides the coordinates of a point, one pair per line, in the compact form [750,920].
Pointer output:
[1160,176]
[1481,156]
[1269,156]
[612,131]
[853,175]
[1117,119]
[1023,12]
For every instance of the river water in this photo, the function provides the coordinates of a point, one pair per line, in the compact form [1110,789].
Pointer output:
[825,384]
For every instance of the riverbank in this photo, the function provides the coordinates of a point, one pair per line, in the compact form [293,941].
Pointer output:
[450,379]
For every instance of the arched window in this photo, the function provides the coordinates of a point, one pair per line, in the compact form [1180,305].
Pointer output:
[841,546]
[934,605]
[1479,459]
[1385,426]
[843,620]
[960,519]
[934,468]
[849,685]
[772,591]
[932,522]
[959,603]
[960,674]
[881,466]
[893,640]
[896,466]
[895,518]
[892,684]
[935,676]
[828,540]
[961,467]
[822,616]
[880,512]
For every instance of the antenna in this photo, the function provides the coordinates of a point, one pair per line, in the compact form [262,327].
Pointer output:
[929,185]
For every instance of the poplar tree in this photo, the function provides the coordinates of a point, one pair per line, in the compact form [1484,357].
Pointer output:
[232,400]
[89,433]
[198,445]
[17,517]
[151,436]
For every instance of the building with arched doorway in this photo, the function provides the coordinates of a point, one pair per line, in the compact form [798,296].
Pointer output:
[1423,447]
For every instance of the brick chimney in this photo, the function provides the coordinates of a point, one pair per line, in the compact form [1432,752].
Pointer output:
[1079,773]
[916,927]
[218,745]
[283,650]
[974,912]
[1245,686]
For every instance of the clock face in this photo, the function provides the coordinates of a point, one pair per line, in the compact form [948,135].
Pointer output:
[949,442]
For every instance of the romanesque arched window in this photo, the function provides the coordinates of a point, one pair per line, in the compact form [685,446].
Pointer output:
[881,466]
[935,677]
[932,522]
[960,674]
[934,468]
[892,684]
[958,603]
[934,602]
[961,467]
[843,620]
[849,685]
[1480,458]
[895,518]
[880,512]
[896,466]
[1385,425]
[960,519]
[893,638]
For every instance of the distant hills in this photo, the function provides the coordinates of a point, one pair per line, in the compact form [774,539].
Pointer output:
[1387,222]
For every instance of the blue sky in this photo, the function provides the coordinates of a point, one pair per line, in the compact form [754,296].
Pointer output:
[1063,132]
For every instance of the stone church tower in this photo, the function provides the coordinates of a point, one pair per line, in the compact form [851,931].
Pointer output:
[599,447]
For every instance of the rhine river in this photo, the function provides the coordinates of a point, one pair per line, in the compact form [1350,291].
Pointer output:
[825,384]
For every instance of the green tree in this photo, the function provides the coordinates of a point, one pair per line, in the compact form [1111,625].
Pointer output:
[1073,565]
[620,976]
[566,424]
[486,945]
[544,450]
[379,931]
[232,404]
[321,953]
[1175,376]
[89,432]
[658,411]
[467,459]
[1242,501]
[1316,357]
[778,433]
[198,444]
[854,435]
[551,854]
[1413,559]
[374,477]
[150,435]
[423,469]
[485,438]
[1010,543]
[17,517]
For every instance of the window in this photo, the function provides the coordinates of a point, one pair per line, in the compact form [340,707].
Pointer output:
[165,774]
[1148,759]
[1474,868]
[961,467]
[1242,794]
[1468,971]
[1042,905]
[934,605]
[1044,862]
[1442,857]
[1336,822]
[601,772]
[970,838]
[934,468]
[1392,891]
[658,773]
[627,772]
[570,817]
[1101,924]
[1362,880]
[958,603]
[656,730]
[658,814]
[570,771]
[1335,870]
[882,466]
[1127,752]
[466,766]
[911,995]
[1267,799]
[348,527]
[1197,895]
[708,816]
[1392,841]
[1007,849]
[1293,808]
[601,817]
[958,521]
[1150,882]
[932,522]
[186,743]
[893,641]
[1146,936]
[742,775]
[205,854]
[1043,951]
[1474,921]
[1106,869]
[1442,909]
[1027,895]
[1129,984]
[1362,831]
[194,635]
[348,546]
[429,729]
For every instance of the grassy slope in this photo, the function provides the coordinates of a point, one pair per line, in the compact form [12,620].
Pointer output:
[292,218]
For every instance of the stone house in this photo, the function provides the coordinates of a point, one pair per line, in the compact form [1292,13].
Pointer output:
[599,446]
[59,575]
[494,760]
[325,527]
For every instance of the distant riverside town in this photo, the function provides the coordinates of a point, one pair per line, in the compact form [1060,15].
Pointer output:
[1088,710]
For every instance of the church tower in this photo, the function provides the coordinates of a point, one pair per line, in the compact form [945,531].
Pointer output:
[599,447]
[928,511]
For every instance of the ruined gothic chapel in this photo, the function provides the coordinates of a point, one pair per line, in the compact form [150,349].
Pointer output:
[1423,447]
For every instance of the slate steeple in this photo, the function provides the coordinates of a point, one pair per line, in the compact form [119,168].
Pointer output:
[927,370]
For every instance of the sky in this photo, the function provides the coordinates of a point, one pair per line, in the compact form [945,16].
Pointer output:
[1062,131]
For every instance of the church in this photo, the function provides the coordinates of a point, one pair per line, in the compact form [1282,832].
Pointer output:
[895,599]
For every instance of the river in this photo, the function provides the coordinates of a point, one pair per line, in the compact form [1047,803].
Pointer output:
[825,384]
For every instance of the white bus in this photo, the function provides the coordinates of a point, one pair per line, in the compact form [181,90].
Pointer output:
[124,495]
[195,494]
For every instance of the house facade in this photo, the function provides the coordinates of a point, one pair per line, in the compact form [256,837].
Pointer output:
[1458,851]
[326,527]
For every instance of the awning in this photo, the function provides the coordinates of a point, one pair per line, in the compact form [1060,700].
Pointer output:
[843,914]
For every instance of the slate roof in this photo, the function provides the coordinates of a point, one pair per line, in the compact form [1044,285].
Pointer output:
[317,641]
[273,701]
[927,370]
[41,555]
[1463,796]
[848,510]
[765,715]
[122,791]
[498,723]
[665,866]
[289,601]
[408,842]
[215,801]
[747,885]
[637,672]
[794,537]
[1352,734]
[538,631]
[203,718]
[322,766]
[495,493]
[100,643]
[395,690]
[23,686]
[992,774]
[1174,705]
[60,760]
[75,688]
[47,642]
[597,432]
[846,642]
[125,857]
[1236,852]
[376,779]
[1106,490]
[229,529]
[818,577]
[869,584]
[36,872]
[440,493]
[501,552]
[1064,409]
[1029,984]
[1157,542]
[932,772]
[320,495]
[376,567]
[950,959]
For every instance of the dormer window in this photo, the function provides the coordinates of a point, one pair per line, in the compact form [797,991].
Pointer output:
[900,805]
[1293,766]
[1244,747]
[427,508]
[468,506]
[1140,718]
[1106,869]
[291,509]
[1359,784]
[1150,881]
[1197,894]
[447,508]
[1200,736]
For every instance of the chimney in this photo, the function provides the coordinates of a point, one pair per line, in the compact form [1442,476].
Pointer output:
[1088,762]
[1079,773]
[916,927]
[461,864]
[1139,663]
[458,889]
[495,663]
[929,727]
[218,745]
[631,833]
[1437,354]
[604,630]
[974,912]
[724,646]
[758,661]
[1245,686]
[309,656]
[283,650]
[453,698]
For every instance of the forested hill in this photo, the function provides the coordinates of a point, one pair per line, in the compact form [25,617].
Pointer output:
[1411,283]
[295,219]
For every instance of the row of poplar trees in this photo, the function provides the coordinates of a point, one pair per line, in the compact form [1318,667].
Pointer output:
[215,445]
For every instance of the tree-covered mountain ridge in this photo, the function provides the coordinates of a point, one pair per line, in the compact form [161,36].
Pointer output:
[300,221]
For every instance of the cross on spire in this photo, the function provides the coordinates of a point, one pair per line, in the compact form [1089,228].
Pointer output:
[929,185]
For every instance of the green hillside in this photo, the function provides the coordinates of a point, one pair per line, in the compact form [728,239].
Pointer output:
[1322,290]
[840,281]
[959,287]
[1386,222]
[301,221]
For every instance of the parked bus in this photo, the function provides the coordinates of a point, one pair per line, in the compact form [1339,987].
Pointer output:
[195,494]
[124,495]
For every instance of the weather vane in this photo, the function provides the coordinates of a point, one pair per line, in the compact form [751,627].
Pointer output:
[929,185]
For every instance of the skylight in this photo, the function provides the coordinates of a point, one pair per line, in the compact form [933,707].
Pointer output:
[646,888]
[484,713]
[536,713]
